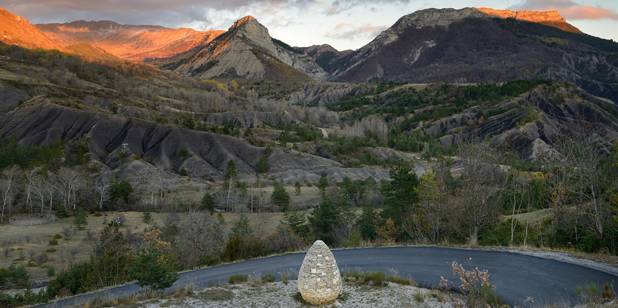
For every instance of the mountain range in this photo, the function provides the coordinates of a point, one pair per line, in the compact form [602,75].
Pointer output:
[189,101]
[468,45]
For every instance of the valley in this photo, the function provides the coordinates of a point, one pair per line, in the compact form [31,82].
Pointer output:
[175,149]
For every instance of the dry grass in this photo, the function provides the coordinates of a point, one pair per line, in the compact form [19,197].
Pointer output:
[21,244]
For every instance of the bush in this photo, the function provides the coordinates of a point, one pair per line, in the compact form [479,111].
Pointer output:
[243,247]
[280,197]
[80,218]
[268,277]
[208,203]
[377,279]
[150,268]
[53,242]
[14,277]
[51,271]
[236,279]
[147,218]
[120,191]
[593,293]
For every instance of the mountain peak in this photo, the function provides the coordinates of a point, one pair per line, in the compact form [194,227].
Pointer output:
[550,18]
[243,21]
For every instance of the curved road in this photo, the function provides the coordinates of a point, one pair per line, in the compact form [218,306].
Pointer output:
[517,277]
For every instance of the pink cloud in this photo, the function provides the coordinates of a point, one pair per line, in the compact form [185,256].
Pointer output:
[588,12]
[570,9]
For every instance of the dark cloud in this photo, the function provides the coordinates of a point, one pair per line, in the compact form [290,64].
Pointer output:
[571,9]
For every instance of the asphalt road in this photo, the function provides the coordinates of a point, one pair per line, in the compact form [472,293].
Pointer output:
[518,278]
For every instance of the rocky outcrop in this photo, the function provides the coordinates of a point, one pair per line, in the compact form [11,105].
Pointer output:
[116,141]
[532,123]
[323,93]
[548,18]
[319,280]
[246,50]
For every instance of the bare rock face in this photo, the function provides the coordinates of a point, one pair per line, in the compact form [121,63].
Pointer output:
[319,280]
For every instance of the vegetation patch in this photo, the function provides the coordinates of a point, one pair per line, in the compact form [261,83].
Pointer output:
[237,279]
[216,295]
[377,279]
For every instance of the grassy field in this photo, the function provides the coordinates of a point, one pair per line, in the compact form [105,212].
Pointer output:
[60,243]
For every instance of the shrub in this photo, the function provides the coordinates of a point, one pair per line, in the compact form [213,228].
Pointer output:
[120,191]
[14,277]
[208,203]
[593,293]
[53,241]
[419,297]
[268,277]
[476,284]
[280,197]
[147,217]
[51,271]
[378,279]
[150,268]
[216,295]
[80,218]
[236,279]
[243,247]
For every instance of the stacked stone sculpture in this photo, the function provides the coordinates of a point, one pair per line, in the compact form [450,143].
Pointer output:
[319,280]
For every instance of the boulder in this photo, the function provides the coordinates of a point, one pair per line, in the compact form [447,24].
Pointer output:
[319,280]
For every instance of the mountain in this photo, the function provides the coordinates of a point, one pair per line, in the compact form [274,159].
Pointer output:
[481,45]
[246,51]
[324,55]
[16,30]
[129,42]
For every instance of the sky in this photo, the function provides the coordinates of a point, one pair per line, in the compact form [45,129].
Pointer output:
[344,24]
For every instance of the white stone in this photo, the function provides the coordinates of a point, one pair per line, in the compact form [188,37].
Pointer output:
[319,263]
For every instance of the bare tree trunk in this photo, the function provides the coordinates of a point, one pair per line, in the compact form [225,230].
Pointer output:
[474,236]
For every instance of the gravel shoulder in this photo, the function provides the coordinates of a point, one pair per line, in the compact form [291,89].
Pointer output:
[280,294]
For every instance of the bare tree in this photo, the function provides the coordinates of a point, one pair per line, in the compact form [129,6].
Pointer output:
[200,235]
[102,184]
[481,179]
[7,186]
[38,186]
[69,180]
[576,179]
[30,176]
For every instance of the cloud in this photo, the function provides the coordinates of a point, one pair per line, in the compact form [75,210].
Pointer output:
[348,31]
[570,9]
[164,12]
[340,6]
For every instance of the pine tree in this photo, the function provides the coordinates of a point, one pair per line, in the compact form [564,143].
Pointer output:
[280,197]
[323,220]
[208,203]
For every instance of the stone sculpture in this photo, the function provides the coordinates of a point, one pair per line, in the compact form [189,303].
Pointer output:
[319,280]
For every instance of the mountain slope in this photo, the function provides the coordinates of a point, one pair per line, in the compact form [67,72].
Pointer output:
[470,46]
[247,51]
[324,55]
[16,30]
[129,42]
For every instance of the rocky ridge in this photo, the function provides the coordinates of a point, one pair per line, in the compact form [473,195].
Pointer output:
[129,42]
[246,50]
